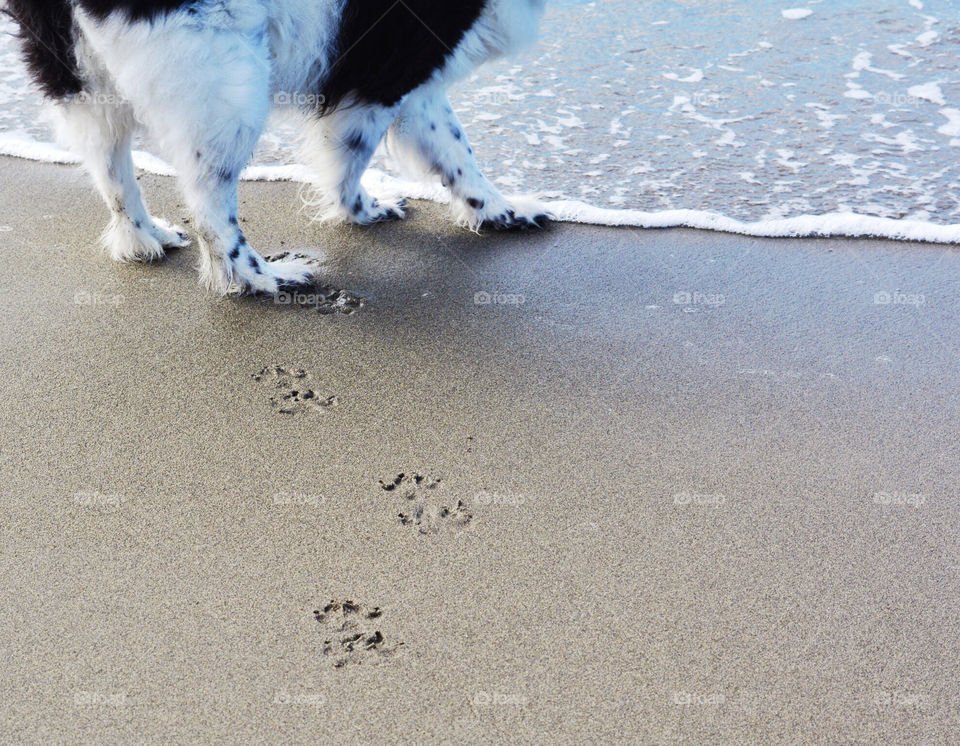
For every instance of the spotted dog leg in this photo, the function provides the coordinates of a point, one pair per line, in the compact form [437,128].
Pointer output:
[227,261]
[428,136]
[98,127]
[339,146]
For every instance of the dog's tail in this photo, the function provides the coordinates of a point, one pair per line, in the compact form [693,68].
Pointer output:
[48,43]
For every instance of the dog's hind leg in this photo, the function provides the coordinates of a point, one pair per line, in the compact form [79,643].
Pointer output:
[200,83]
[94,122]
[339,146]
[428,136]
[99,125]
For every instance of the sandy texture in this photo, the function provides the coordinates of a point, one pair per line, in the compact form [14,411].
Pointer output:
[688,488]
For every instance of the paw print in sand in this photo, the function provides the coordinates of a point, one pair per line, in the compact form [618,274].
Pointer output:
[292,390]
[424,506]
[326,299]
[352,634]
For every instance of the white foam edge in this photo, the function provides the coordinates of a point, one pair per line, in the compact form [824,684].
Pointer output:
[835,225]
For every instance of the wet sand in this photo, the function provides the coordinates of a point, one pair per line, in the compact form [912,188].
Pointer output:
[665,486]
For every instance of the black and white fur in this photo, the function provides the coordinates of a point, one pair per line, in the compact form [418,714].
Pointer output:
[203,75]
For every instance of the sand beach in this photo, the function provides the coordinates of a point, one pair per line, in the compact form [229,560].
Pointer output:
[581,485]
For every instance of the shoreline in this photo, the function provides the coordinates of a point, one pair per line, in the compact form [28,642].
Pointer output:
[830,225]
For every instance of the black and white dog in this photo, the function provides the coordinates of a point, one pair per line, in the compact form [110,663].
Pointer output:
[202,75]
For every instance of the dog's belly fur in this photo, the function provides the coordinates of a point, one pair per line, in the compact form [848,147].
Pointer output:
[202,76]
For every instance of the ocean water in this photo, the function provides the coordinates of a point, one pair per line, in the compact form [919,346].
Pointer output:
[749,109]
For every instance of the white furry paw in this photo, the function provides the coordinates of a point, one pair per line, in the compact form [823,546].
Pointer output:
[168,235]
[284,273]
[360,209]
[291,271]
[243,271]
[129,240]
[367,210]
[496,212]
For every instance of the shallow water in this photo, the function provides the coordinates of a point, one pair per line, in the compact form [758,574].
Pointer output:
[734,107]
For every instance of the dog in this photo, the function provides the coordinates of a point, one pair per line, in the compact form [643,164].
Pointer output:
[202,76]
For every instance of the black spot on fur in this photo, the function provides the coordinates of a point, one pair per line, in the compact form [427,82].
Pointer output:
[235,253]
[47,44]
[255,265]
[457,134]
[355,141]
[476,204]
[136,10]
[358,206]
[233,220]
[386,48]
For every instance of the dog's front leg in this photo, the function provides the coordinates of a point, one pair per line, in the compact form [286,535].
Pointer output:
[227,261]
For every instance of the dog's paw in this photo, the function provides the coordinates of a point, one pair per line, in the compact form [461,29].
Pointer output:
[501,214]
[275,277]
[368,210]
[359,208]
[511,220]
[169,236]
[129,240]
[289,273]
[243,271]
